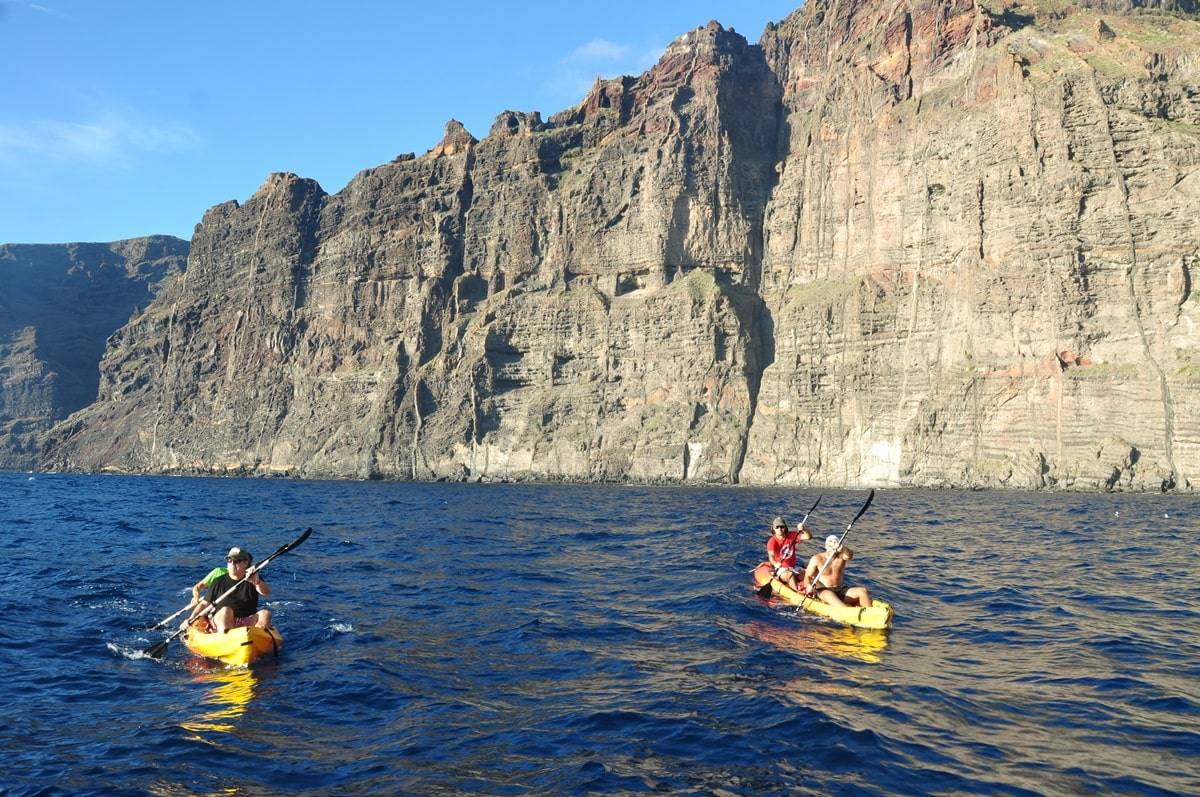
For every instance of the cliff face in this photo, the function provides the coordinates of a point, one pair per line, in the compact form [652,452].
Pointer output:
[982,247]
[58,305]
[895,243]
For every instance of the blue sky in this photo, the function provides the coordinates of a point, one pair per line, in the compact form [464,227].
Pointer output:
[121,118]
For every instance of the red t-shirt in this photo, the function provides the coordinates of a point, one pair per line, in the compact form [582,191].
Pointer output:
[784,550]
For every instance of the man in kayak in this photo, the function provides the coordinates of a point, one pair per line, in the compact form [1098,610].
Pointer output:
[240,609]
[830,588]
[781,551]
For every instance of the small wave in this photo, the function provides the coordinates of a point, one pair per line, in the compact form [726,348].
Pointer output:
[123,605]
[133,654]
[342,628]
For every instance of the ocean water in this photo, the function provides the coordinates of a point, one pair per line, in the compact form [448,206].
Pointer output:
[533,639]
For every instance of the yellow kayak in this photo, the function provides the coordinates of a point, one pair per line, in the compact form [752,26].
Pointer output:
[236,646]
[877,615]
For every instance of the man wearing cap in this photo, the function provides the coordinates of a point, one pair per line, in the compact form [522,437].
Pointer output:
[829,587]
[241,607]
[781,550]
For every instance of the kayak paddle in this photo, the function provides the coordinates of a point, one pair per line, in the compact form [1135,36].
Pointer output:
[765,590]
[810,511]
[163,622]
[829,558]
[156,651]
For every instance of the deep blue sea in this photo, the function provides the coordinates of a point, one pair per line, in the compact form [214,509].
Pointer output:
[531,639]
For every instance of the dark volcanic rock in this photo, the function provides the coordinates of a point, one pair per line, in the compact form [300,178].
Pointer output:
[58,306]
[928,243]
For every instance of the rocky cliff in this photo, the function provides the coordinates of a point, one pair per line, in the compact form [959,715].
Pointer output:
[58,306]
[894,243]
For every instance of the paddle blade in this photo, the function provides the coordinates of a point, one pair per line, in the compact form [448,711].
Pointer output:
[301,538]
[870,498]
[157,651]
[285,548]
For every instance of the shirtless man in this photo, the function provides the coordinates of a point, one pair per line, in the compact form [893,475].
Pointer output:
[830,589]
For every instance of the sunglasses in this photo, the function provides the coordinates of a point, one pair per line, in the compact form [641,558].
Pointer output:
[781,528]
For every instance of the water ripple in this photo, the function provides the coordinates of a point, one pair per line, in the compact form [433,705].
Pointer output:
[443,639]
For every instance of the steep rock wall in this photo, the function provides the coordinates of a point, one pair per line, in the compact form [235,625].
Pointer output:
[563,299]
[982,250]
[917,243]
[58,306]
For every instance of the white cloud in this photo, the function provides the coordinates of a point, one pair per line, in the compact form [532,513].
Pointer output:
[596,50]
[111,140]
[580,67]
[38,7]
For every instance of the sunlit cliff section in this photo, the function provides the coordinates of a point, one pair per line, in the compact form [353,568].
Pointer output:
[894,243]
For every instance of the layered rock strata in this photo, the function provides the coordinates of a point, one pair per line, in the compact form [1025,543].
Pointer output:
[895,243]
[58,306]
[982,246]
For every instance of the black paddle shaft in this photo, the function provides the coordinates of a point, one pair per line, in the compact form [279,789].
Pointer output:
[811,509]
[156,651]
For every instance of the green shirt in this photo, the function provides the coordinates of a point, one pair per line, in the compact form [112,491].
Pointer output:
[216,573]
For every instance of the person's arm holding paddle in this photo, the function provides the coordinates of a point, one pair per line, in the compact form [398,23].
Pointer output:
[260,584]
[203,584]
[802,530]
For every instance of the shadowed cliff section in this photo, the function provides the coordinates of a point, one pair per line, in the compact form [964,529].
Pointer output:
[58,306]
[926,243]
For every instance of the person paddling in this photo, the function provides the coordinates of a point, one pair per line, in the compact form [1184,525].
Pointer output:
[781,551]
[828,587]
[241,608]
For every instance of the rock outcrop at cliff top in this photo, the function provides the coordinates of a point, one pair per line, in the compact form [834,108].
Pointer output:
[920,243]
[58,305]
